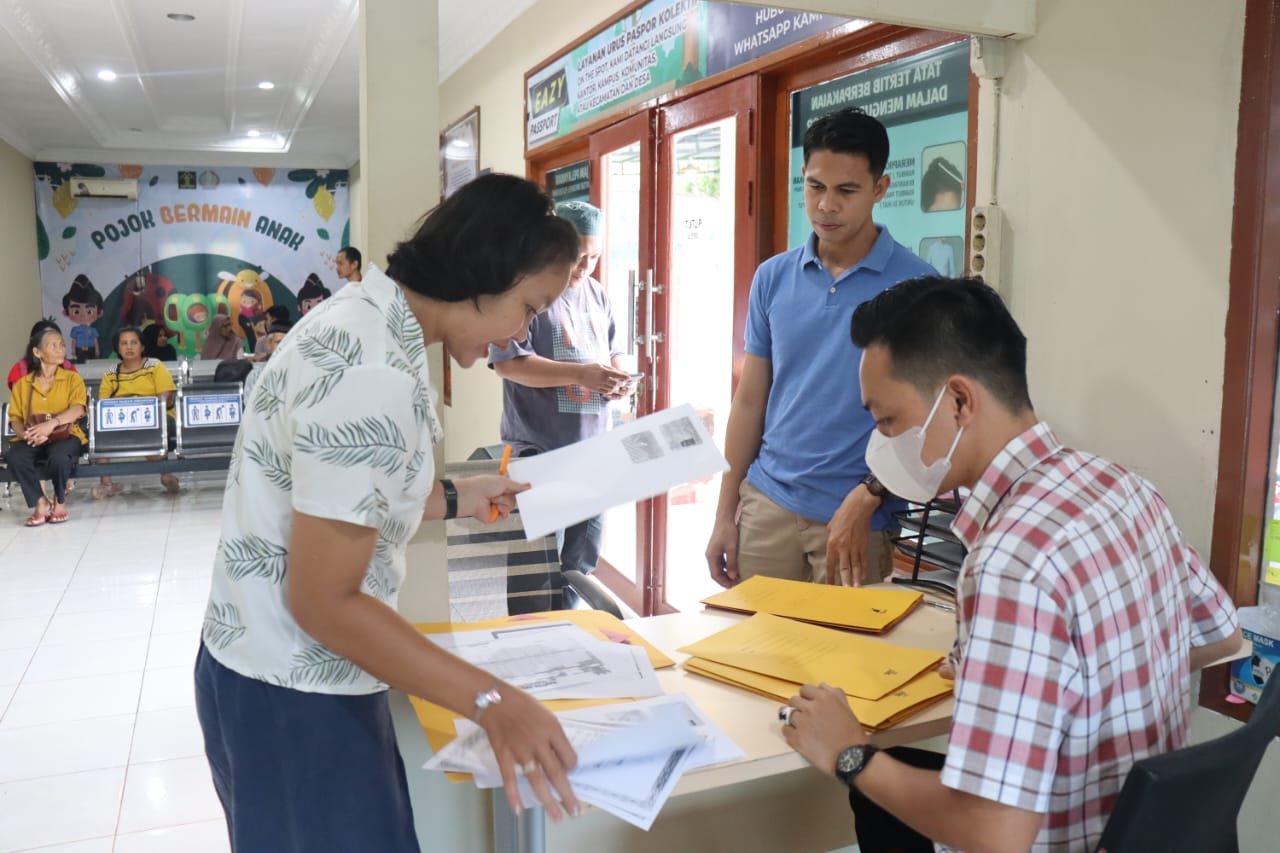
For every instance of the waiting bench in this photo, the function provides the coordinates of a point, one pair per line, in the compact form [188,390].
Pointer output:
[130,435]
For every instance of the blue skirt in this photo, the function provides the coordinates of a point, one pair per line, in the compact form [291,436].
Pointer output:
[302,772]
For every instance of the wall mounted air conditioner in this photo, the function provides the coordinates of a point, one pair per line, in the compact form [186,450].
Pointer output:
[103,188]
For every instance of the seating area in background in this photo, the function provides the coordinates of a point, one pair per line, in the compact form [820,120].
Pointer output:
[131,435]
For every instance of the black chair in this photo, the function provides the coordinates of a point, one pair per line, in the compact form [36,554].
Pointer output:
[127,427]
[208,418]
[1187,801]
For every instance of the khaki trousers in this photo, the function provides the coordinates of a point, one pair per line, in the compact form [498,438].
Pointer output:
[776,542]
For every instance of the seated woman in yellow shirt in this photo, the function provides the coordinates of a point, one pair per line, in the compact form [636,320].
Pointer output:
[136,376]
[46,401]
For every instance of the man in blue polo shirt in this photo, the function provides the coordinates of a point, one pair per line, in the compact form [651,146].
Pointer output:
[798,501]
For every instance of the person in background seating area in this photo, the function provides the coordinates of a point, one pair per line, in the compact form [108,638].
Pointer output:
[347,264]
[221,343]
[44,406]
[155,343]
[271,340]
[20,367]
[136,376]
[277,316]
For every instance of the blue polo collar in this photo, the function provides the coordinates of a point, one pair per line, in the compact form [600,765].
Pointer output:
[877,259]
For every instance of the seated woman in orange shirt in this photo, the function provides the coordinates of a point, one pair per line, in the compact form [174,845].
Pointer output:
[136,376]
[43,409]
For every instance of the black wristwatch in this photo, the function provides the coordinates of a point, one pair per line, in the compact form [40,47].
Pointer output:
[853,761]
[450,499]
[875,487]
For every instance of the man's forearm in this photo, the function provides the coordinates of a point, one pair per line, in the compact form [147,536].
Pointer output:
[534,371]
[1205,655]
[743,436]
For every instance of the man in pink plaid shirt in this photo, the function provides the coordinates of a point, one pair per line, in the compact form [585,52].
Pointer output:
[1081,609]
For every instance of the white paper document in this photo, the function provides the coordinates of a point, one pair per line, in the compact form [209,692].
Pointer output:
[630,755]
[556,660]
[635,461]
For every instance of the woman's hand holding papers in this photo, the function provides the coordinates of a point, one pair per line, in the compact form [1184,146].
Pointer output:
[477,495]
[525,735]
[822,726]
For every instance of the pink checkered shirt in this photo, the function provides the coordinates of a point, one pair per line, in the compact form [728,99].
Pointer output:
[1078,605]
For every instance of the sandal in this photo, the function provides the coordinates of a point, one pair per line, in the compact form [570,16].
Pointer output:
[56,517]
[36,519]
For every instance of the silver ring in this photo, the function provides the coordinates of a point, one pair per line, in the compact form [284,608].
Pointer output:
[529,768]
[784,714]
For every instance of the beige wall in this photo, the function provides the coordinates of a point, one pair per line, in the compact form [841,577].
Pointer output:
[20,286]
[494,79]
[1116,171]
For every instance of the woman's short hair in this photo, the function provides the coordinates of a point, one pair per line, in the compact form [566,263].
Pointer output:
[484,238]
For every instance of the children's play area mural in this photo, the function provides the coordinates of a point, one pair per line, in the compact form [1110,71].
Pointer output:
[195,243]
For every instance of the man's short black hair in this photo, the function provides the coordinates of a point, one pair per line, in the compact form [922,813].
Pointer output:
[936,327]
[850,131]
[352,254]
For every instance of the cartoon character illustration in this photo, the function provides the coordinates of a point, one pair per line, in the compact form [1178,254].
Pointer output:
[82,305]
[190,315]
[143,298]
[312,293]
[249,296]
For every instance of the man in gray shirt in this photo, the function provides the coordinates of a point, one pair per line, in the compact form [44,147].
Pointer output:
[557,384]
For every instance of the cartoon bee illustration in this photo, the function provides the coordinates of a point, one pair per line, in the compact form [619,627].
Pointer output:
[249,296]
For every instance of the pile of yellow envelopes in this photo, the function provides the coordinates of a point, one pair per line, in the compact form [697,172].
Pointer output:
[860,608]
[774,656]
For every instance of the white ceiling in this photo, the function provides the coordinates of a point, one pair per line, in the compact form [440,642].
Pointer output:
[187,92]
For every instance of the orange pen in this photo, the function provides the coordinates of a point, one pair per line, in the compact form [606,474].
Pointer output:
[502,469]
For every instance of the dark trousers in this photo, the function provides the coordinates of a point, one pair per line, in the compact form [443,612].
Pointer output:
[880,832]
[579,545]
[302,772]
[61,457]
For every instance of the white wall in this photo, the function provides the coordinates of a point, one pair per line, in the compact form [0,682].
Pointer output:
[20,285]
[494,79]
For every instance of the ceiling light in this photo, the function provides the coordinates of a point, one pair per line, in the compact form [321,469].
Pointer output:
[180,16]
[266,84]
[106,74]
[254,134]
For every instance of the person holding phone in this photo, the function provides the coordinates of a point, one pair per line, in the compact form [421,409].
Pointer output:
[557,384]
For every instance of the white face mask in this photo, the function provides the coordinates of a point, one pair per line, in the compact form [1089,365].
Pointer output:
[898,462]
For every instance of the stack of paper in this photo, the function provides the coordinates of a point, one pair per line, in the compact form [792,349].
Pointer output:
[555,660]
[630,756]
[875,610]
[774,656]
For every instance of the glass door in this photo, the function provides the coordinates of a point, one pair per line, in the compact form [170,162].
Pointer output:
[706,257]
[622,186]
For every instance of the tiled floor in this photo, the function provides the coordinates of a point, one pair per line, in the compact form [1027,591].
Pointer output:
[100,751]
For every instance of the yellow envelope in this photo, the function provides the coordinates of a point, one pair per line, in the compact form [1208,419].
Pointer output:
[874,715]
[809,654]
[875,610]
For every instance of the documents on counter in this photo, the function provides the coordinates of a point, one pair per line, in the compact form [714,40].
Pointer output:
[635,461]
[861,608]
[630,755]
[555,660]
